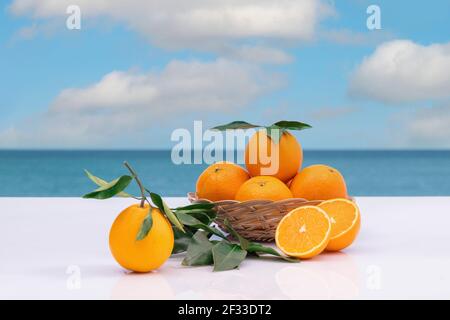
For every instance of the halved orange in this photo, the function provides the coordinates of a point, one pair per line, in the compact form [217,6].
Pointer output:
[304,232]
[345,222]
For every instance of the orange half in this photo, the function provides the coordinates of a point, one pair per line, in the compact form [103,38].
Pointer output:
[304,232]
[345,222]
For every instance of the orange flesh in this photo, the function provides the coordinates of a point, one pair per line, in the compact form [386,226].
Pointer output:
[342,214]
[304,232]
[346,221]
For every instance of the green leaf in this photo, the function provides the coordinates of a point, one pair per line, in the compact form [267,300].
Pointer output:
[274,133]
[111,189]
[282,125]
[98,181]
[202,216]
[205,216]
[291,125]
[191,221]
[257,248]
[101,183]
[146,226]
[243,242]
[227,256]
[236,125]
[253,247]
[158,201]
[202,206]
[199,252]
[276,130]
[182,240]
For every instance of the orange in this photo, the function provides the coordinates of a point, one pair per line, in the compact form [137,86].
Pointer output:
[319,182]
[264,157]
[345,222]
[289,183]
[221,181]
[304,232]
[263,188]
[144,255]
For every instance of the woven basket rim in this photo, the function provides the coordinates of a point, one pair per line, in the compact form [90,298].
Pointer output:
[192,196]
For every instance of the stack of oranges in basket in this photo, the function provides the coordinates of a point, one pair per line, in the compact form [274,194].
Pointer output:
[274,172]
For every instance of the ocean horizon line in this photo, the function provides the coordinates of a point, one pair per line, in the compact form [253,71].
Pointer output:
[196,150]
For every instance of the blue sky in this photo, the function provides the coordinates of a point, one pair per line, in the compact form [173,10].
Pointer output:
[135,73]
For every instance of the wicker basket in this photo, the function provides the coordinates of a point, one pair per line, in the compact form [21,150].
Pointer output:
[255,220]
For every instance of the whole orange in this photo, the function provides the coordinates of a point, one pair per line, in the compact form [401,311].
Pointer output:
[264,157]
[143,255]
[263,188]
[319,182]
[221,181]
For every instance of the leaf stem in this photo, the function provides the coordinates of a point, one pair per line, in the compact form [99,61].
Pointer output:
[139,183]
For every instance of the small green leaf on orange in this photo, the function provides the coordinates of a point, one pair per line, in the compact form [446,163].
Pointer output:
[147,225]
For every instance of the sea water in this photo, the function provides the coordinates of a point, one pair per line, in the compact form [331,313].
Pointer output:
[368,173]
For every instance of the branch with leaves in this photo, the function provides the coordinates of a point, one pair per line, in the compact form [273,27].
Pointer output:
[195,229]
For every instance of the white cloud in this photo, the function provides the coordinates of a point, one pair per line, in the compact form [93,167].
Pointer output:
[203,25]
[428,128]
[403,71]
[124,103]
[173,21]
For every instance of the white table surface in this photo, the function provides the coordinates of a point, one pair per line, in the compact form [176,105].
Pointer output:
[57,248]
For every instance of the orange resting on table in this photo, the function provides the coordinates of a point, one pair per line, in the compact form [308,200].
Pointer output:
[345,222]
[263,188]
[143,255]
[304,232]
[221,181]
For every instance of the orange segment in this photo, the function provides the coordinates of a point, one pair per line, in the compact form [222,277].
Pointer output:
[345,222]
[304,232]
